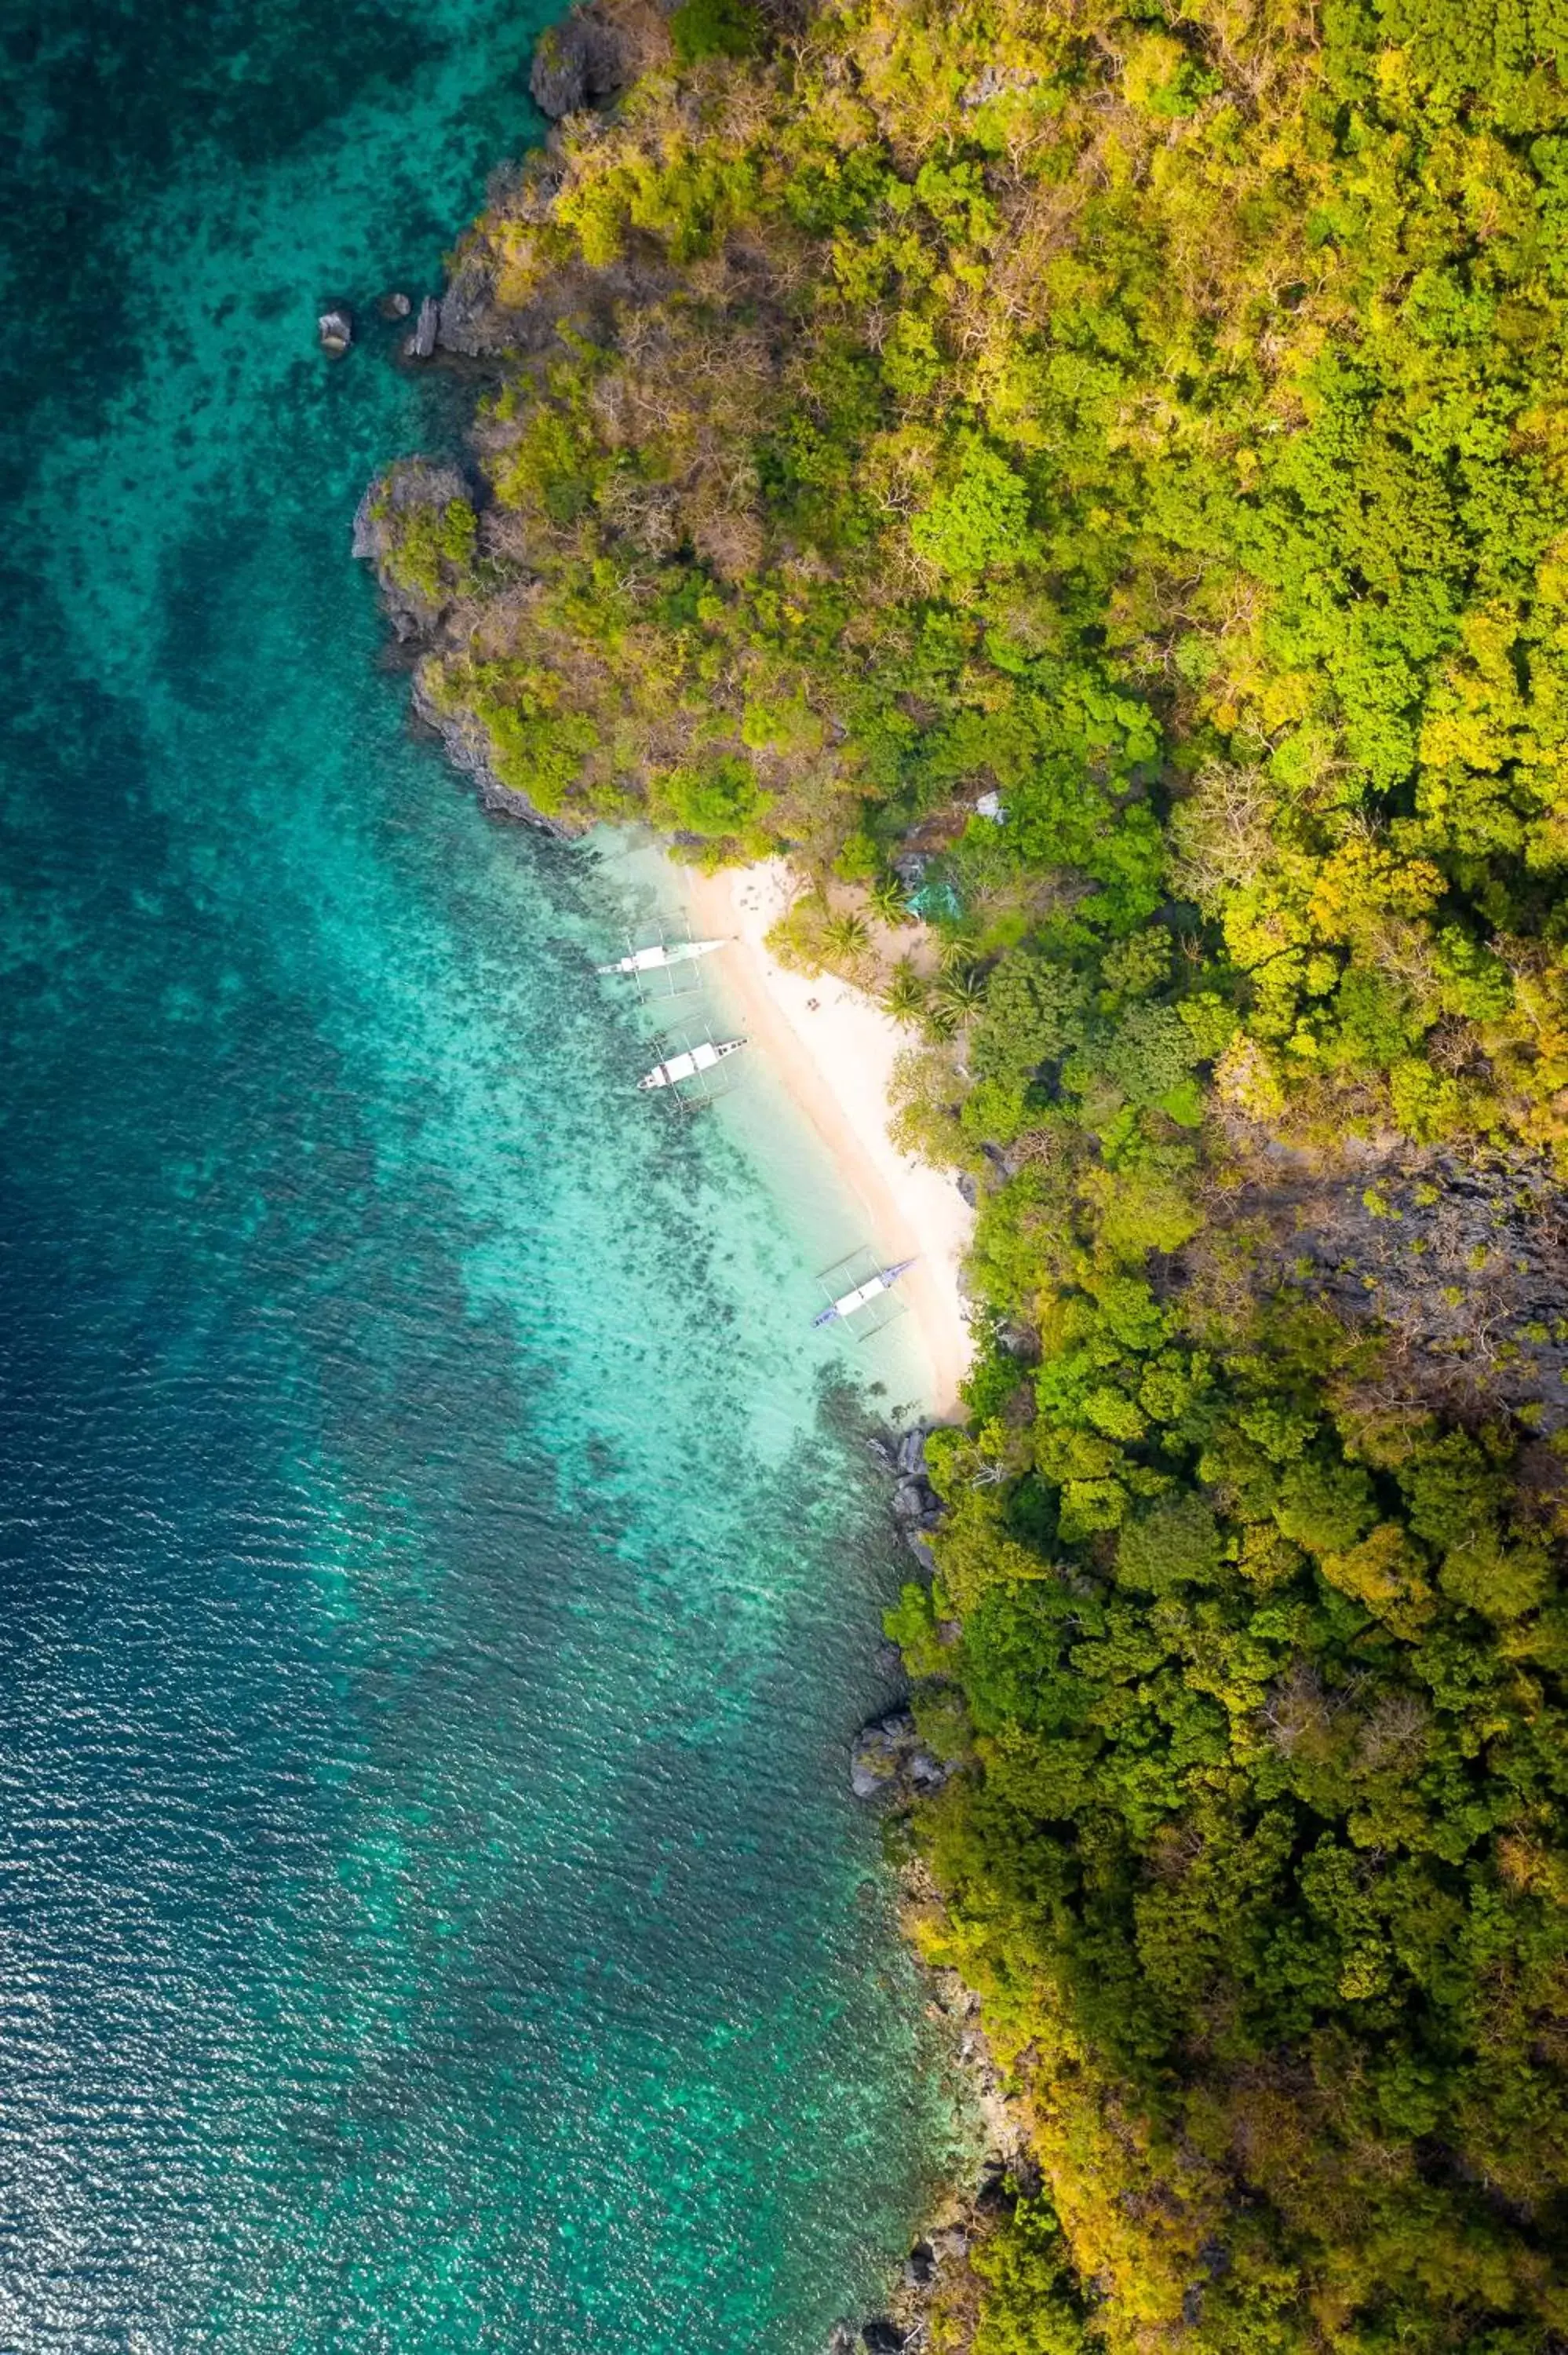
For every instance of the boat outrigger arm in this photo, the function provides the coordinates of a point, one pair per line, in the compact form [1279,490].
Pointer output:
[662,953]
[687,1064]
[846,1305]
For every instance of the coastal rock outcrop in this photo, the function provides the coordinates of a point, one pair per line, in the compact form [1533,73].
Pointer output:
[334,330]
[421,344]
[417,524]
[577,63]
[890,1762]
[380,524]
[916,1507]
[468,749]
[935,2300]
[466,319]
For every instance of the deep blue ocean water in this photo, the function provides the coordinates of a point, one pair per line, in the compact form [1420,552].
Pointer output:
[436,1579]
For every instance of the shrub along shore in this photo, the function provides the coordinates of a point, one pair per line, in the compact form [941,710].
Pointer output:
[1089,485]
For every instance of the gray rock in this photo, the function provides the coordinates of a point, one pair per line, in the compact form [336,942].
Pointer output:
[917,1505]
[909,1503]
[575,64]
[882,2335]
[889,1762]
[421,344]
[334,329]
[466,318]
[967,1187]
[911,1450]
[920,1547]
[393,305]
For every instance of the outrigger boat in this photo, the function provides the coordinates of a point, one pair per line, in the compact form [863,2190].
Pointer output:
[663,953]
[847,1303]
[690,1062]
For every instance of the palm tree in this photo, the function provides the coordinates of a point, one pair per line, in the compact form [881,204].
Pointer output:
[888,901]
[846,938]
[905,994]
[962,992]
[957,953]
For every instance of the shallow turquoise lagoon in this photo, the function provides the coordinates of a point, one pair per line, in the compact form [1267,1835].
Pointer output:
[439,1574]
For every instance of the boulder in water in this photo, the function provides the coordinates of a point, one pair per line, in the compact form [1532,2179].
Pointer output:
[334,330]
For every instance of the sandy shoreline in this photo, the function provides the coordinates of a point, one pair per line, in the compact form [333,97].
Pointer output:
[833,1050]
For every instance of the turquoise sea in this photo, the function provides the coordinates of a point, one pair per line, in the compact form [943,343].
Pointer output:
[437,1571]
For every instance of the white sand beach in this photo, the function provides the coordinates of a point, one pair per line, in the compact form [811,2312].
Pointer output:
[833,1050]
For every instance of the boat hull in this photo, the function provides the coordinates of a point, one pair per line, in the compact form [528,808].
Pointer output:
[863,1293]
[655,960]
[691,1065]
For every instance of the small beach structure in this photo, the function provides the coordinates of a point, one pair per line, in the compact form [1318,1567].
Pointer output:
[857,1284]
[686,1074]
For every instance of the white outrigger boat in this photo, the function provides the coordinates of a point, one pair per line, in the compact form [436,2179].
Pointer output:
[663,953]
[690,1063]
[848,1301]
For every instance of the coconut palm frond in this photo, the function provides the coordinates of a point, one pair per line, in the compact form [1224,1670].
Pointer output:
[957,953]
[905,994]
[888,901]
[846,937]
[962,992]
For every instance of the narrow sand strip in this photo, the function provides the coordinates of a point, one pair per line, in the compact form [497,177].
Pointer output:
[834,1050]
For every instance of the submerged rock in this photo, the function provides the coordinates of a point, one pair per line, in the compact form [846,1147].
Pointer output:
[393,305]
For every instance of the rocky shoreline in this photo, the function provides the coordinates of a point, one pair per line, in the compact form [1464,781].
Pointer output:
[892,1769]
